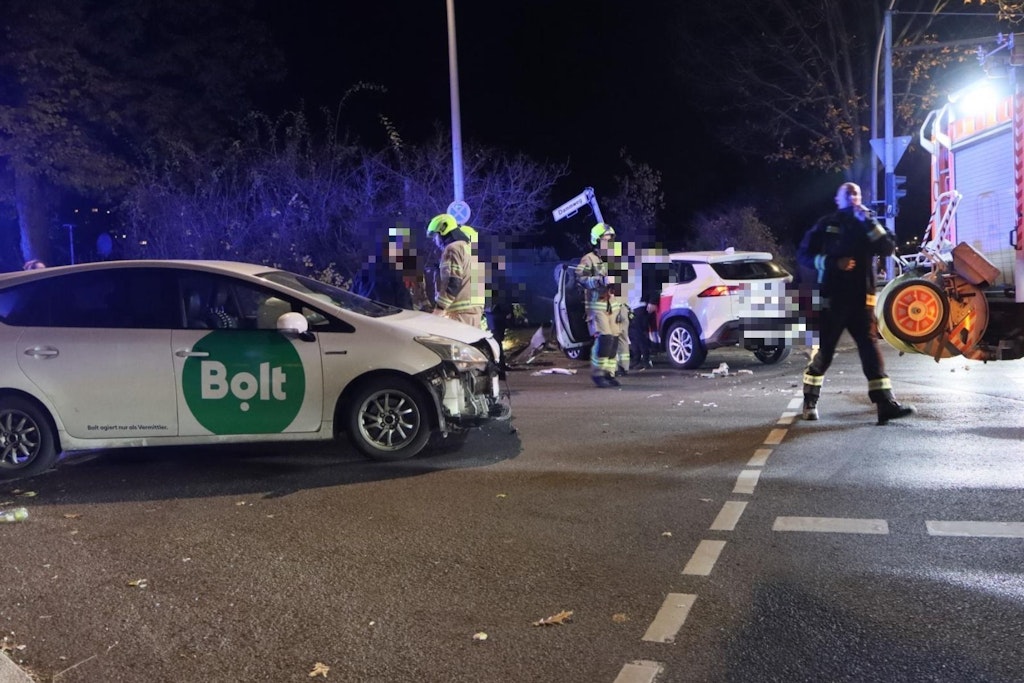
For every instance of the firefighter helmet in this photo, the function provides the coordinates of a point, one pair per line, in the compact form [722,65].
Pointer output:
[599,231]
[442,224]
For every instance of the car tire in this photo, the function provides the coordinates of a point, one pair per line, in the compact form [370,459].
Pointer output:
[28,443]
[577,352]
[388,419]
[770,355]
[683,346]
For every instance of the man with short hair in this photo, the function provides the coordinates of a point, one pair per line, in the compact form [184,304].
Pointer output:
[840,248]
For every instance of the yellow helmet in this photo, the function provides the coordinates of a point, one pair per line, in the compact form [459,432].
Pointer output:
[599,231]
[442,224]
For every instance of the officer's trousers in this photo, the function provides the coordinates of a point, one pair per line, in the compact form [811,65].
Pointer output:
[859,321]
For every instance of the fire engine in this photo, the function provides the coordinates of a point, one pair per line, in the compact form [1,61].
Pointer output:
[958,295]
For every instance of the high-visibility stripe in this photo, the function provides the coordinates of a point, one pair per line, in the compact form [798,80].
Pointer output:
[880,384]
[814,380]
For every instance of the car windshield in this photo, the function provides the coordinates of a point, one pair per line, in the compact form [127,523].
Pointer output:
[341,298]
[749,270]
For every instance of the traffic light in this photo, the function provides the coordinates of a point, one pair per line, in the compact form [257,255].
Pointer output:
[895,189]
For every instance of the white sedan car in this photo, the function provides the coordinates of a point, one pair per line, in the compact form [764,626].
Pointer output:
[146,353]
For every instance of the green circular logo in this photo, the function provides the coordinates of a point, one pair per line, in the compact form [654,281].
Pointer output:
[250,382]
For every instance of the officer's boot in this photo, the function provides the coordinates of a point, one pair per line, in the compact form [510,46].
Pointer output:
[810,408]
[889,409]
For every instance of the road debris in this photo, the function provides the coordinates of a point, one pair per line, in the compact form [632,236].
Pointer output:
[319,669]
[556,619]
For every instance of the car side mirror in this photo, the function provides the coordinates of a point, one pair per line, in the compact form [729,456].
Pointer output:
[293,323]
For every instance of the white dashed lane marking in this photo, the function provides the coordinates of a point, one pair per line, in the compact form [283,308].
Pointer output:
[640,671]
[746,482]
[760,458]
[775,437]
[834,525]
[983,529]
[670,618]
[729,516]
[704,558]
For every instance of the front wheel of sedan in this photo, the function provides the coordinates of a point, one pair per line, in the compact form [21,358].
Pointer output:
[388,419]
[28,445]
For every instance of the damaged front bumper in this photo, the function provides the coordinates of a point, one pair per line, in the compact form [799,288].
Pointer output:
[467,398]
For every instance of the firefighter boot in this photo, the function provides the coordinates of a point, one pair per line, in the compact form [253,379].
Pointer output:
[810,409]
[891,410]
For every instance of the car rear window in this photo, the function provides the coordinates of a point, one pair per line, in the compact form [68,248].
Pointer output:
[749,270]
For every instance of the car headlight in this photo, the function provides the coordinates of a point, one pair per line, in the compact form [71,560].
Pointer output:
[463,356]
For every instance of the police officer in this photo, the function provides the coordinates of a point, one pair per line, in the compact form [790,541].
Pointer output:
[602,310]
[841,248]
[460,294]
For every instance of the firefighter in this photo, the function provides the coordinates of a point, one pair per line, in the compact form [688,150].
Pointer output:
[619,267]
[602,312]
[459,278]
[841,248]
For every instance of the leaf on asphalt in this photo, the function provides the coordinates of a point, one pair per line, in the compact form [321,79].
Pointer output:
[479,636]
[241,503]
[620,618]
[560,618]
[72,515]
[139,583]
[502,495]
[319,669]
[666,533]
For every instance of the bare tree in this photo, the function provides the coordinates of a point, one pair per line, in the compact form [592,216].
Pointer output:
[307,197]
[790,81]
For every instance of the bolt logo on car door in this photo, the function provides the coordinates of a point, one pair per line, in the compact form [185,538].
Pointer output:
[250,383]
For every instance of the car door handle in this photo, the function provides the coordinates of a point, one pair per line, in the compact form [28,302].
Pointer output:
[189,353]
[42,352]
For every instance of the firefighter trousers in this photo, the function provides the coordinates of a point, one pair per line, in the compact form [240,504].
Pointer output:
[859,321]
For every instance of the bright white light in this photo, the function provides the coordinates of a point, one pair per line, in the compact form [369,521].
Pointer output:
[976,100]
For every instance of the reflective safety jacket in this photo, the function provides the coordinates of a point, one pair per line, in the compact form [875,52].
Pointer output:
[460,276]
[592,274]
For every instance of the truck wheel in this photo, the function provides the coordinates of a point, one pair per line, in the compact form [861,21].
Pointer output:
[683,345]
[28,444]
[915,311]
[770,355]
[388,419]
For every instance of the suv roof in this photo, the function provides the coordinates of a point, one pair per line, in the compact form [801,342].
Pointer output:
[720,256]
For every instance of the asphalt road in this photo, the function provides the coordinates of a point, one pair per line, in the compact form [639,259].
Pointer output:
[694,529]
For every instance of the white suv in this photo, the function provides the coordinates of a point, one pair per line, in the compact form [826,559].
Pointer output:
[723,298]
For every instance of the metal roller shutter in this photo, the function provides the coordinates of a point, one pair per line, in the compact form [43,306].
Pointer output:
[986,215]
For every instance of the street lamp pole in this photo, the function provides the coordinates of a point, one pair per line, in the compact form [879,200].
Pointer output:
[458,208]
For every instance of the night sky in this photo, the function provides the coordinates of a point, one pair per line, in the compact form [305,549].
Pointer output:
[568,80]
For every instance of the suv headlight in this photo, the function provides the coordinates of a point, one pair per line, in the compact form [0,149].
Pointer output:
[463,356]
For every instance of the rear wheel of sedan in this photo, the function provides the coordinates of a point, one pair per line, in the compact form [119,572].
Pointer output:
[28,445]
[683,346]
[770,355]
[388,419]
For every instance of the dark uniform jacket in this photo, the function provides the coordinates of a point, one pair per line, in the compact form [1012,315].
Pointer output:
[837,235]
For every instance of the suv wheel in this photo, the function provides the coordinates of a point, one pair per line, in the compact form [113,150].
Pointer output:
[577,352]
[770,355]
[683,346]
